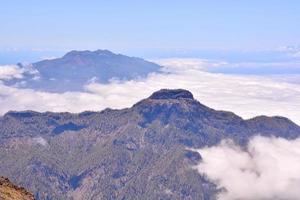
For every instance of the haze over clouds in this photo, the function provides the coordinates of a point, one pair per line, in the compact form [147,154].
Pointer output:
[247,96]
[190,63]
[268,169]
[290,66]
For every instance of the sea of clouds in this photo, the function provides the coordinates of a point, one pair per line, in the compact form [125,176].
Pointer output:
[247,96]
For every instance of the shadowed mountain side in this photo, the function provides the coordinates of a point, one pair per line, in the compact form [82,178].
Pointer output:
[133,153]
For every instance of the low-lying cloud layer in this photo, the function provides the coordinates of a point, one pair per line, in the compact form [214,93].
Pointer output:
[246,67]
[268,169]
[247,96]
[8,72]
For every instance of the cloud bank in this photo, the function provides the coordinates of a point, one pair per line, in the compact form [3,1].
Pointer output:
[269,169]
[247,96]
[245,67]
[8,72]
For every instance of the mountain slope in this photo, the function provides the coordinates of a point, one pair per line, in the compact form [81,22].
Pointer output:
[77,68]
[134,153]
[9,191]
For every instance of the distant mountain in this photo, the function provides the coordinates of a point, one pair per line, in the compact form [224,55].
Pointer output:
[77,68]
[9,191]
[140,152]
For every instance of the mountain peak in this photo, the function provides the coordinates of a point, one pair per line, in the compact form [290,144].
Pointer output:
[76,68]
[103,52]
[172,94]
[98,52]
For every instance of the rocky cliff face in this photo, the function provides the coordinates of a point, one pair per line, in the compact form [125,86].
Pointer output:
[135,153]
[9,191]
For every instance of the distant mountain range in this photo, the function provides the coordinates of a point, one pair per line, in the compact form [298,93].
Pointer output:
[77,68]
[140,152]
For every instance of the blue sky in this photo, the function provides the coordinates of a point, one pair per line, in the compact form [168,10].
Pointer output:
[232,31]
[133,25]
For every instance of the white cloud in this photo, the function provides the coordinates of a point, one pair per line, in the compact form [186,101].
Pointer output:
[296,54]
[215,65]
[293,51]
[291,48]
[41,141]
[189,63]
[8,72]
[27,99]
[248,96]
[268,169]
[49,57]
[94,79]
